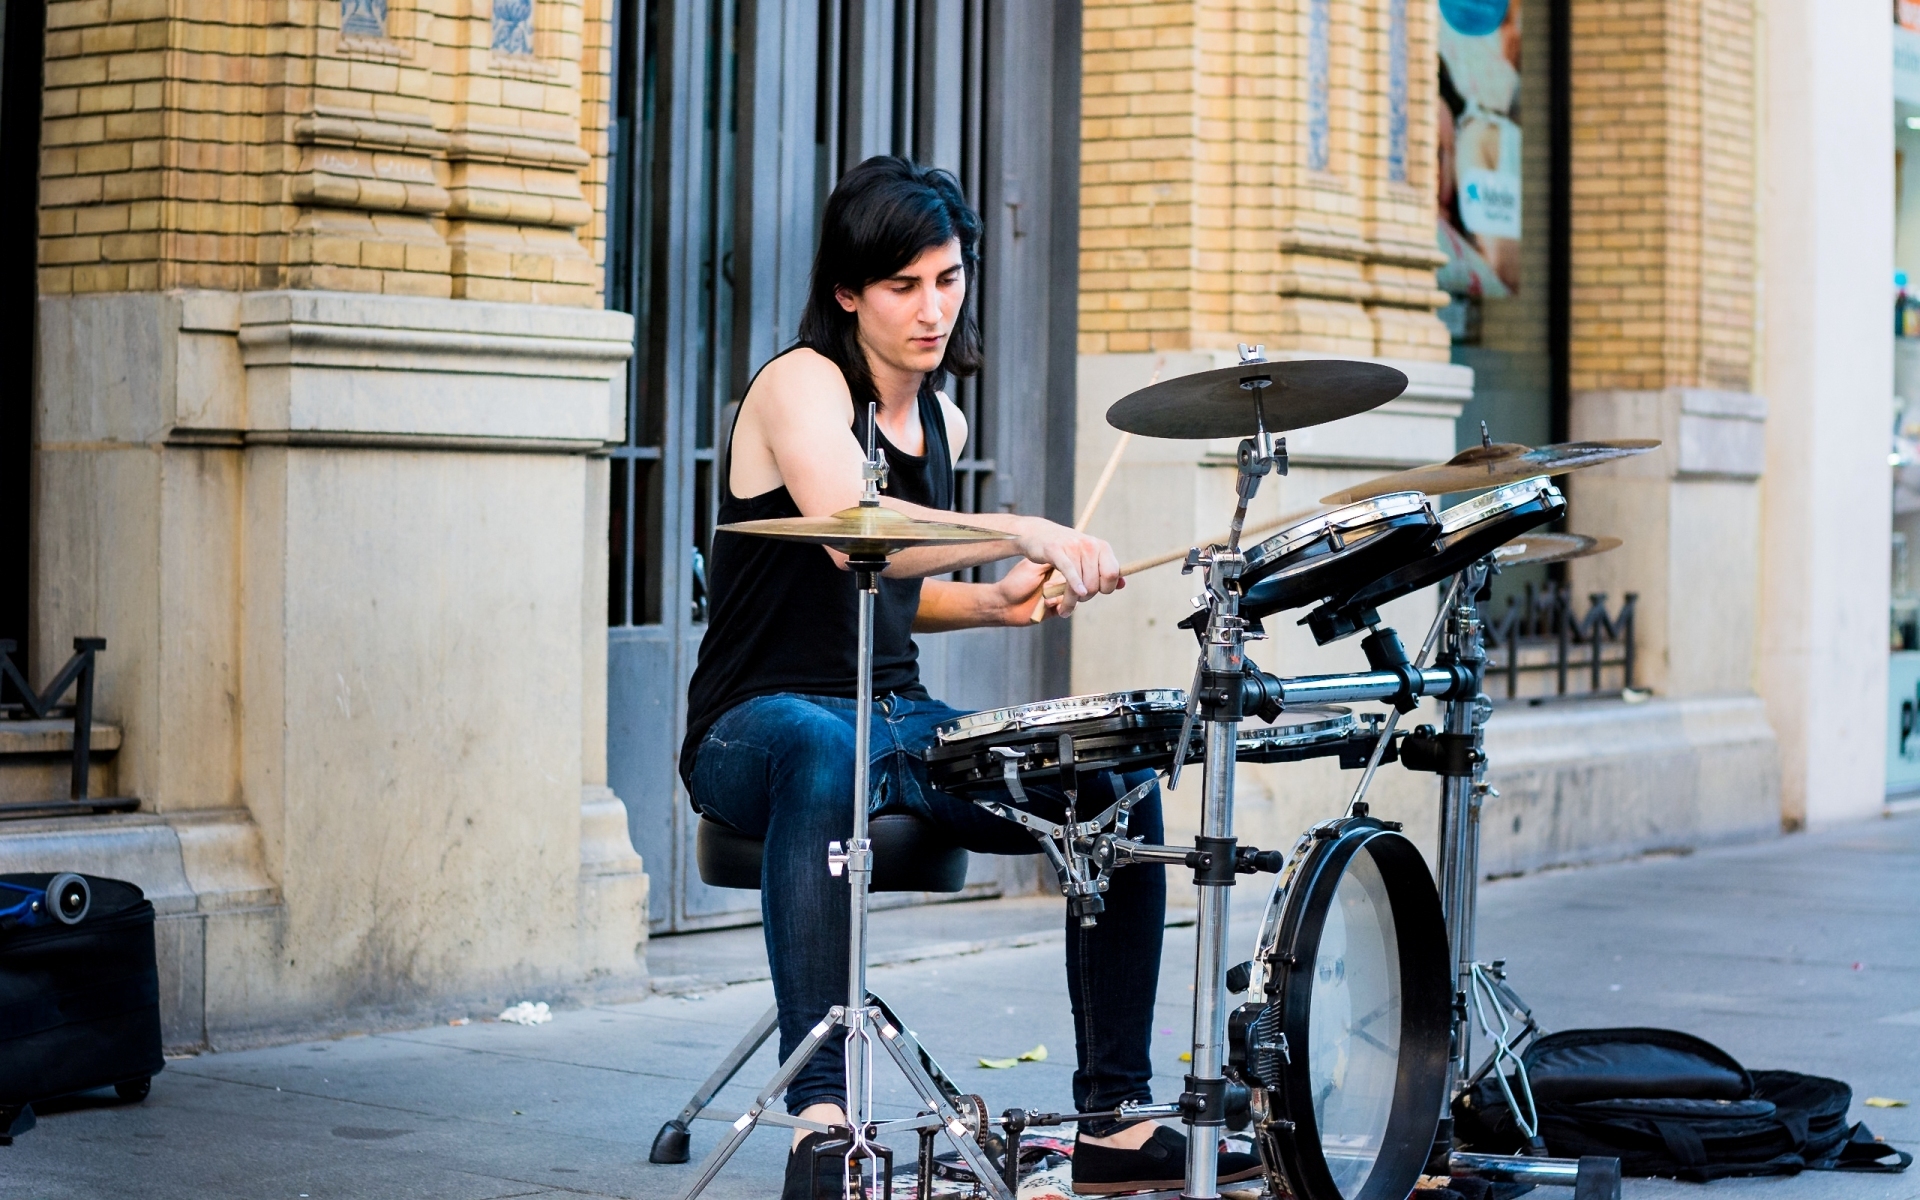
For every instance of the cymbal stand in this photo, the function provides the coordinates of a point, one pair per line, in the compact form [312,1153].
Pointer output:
[867,1165]
[1218,700]
[1482,995]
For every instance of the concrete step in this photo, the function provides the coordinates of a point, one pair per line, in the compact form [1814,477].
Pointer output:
[36,760]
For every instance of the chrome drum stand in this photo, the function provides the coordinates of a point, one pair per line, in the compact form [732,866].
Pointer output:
[1482,996]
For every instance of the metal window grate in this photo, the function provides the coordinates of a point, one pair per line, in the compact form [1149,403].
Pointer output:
[666,475]
[1540,634]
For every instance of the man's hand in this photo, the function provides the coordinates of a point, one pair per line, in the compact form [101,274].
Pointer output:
[1086,563]
[946,605]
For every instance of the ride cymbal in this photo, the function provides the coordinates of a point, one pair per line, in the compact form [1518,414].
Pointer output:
[864,530]
[1290,394]
[1551,548]
[1483,467]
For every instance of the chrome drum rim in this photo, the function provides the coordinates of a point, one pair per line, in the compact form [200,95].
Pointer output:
[1043,714]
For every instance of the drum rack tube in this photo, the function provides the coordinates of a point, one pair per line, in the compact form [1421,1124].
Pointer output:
[1590,1178]
[1441,683]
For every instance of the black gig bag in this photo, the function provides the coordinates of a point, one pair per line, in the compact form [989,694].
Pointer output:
[1670,1104]
[79,1004]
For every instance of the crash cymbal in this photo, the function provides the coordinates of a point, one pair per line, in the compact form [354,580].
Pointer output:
[1551,548]
[1493,466]
[1291,393]
[863,530]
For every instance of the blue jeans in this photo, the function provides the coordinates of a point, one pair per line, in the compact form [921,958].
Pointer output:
[781,768]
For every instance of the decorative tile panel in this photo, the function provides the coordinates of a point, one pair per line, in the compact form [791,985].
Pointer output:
[1397,90]
[363,18]
[1319,19]
[513,28]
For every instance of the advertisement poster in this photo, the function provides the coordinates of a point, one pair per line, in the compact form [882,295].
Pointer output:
[1479,160]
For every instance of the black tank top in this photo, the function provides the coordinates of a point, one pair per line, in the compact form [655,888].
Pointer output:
[783,617]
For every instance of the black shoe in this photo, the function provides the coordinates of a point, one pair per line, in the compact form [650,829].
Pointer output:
[1160,1163]
[799,1184]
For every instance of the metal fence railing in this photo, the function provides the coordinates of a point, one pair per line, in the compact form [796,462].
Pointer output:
[1540,634]
[47,705]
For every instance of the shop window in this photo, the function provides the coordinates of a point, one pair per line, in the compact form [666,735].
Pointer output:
[1505,269]
[1494,191]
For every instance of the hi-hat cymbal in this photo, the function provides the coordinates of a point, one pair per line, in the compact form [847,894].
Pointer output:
[1493,466]
[864,530]
[1296,393]
[1551,548]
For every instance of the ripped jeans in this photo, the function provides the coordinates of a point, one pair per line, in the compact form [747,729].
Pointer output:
[781,768]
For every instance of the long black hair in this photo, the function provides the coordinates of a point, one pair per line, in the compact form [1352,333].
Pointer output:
[884,214]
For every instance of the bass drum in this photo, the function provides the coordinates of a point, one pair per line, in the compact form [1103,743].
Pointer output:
[1343,1040]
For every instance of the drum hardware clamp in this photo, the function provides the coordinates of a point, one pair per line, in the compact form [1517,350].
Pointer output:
[1082,853]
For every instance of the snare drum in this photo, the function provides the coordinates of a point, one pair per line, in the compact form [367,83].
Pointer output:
[1333,553]
[1112,731]
[1466,532]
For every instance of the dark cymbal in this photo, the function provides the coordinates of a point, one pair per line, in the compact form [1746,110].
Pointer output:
[1218,404]
[863,530]
[1493,466]
[1551,548]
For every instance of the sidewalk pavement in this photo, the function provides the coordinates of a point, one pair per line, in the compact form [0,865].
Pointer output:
[1801,952]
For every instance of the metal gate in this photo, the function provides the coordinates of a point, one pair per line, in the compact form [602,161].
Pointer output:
[732,119]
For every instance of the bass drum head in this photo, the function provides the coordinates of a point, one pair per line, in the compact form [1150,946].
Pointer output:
[1366,997]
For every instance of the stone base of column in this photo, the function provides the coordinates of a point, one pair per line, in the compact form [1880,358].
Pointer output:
[1587,781]
[341,549]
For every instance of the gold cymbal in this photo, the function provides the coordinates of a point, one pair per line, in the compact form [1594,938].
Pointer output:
[864,530]
[1483,467]
[1551,548]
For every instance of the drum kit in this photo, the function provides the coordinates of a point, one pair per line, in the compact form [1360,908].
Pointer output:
[1361,995]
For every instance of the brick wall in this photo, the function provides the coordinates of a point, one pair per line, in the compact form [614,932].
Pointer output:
[1204,220]
[251,144]
[1663,194]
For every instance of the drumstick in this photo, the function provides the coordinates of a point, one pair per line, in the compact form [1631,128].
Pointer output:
[1161,560]
[1093,501]
[1086,516]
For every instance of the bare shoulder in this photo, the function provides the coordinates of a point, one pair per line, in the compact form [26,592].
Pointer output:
[956,422]
[801,386]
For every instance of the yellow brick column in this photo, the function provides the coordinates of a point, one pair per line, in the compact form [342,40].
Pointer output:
[1254,172]
[1662,344]
[243,146]
[322,379]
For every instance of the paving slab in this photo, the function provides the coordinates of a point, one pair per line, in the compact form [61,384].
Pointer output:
[1802,952]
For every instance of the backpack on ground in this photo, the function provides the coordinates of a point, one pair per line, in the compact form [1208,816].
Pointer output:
[1670,1104]
[79,994]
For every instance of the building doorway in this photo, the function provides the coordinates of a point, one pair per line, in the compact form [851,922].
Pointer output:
[23,28]
[732,119]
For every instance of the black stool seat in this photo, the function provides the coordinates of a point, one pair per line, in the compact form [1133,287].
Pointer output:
[909,855]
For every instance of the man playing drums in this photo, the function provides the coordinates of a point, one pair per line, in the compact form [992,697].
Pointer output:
[769,748]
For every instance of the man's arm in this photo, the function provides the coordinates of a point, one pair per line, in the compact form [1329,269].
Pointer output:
[946,605]
[804,419]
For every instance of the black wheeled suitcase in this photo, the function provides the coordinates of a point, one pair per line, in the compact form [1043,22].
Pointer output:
[79,993]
